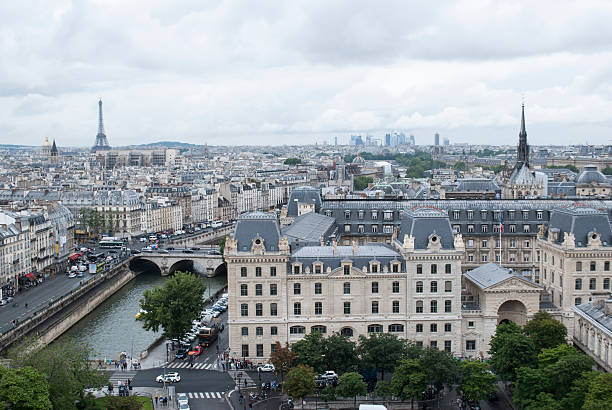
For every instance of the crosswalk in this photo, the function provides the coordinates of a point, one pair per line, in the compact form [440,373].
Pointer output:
[200,366]
[205,395]
[119,376]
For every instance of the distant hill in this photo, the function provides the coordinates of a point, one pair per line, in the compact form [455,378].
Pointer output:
[15,147]
[167,144]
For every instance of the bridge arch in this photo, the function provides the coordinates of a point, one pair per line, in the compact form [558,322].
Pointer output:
[184,265]
[144,265]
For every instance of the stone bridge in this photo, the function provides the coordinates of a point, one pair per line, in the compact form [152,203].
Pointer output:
[201,237]
[172,261]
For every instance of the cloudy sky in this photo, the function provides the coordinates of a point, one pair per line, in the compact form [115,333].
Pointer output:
[295,72]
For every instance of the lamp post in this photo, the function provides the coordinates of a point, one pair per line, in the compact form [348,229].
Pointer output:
[234,354]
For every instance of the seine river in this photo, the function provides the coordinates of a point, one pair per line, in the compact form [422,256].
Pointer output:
[112,327]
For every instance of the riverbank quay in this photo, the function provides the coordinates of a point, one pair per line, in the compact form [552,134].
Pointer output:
[59,314]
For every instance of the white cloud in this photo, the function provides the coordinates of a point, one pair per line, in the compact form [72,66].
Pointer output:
[238,72]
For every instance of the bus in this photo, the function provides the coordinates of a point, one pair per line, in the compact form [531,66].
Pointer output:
[96,267]
[95,256]
[111,242]
[208,335]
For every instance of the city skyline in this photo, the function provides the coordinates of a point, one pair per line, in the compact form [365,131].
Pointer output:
[228,75]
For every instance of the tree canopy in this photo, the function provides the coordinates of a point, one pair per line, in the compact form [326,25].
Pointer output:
[351,384]
[477,381]
[24,388]
[336,352]
[361,182]
[460,166]
[545,332]
[300,382]
[174,305]
[282,358]
[409,379]
[511,349]
[381,351]
[599,395]
[293,161]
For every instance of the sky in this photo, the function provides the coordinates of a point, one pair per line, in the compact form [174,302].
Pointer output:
[298,72]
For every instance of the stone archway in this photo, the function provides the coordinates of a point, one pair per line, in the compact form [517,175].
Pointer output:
[512,311]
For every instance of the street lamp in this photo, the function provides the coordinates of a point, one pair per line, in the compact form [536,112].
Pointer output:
[234,354]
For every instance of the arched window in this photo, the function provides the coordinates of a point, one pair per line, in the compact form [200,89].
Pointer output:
[319,328]
[419,287]
[419,306]
[297,330]
[346,331]
[433,286]
[375,329]
[396,328]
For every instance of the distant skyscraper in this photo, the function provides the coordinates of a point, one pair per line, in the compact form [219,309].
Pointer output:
[436,139]
[336,140]
[412,142]
[445,141]
[387,139]
[101,140]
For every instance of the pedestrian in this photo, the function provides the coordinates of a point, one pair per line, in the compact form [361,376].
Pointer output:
[245,382]
[156,399]
[26,306]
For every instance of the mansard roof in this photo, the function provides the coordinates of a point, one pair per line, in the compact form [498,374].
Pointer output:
[581,221]
[422,222]
[308,229]
[257,224]
[489,275]
[359,256]
[304,195]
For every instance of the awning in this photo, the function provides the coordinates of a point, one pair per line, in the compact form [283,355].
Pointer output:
[31,276]
[75,256]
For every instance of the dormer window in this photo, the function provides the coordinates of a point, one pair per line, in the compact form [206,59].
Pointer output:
[318,267]
[525,214]
[395,267]
[374,267]
[347,214]
[374,215]
[511,215]
[328,213]
[347,269]
[360,214]
[470,214]
[483,215]
[297,268]
[456,214]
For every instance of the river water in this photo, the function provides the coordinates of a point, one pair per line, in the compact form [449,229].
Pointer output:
[112,327]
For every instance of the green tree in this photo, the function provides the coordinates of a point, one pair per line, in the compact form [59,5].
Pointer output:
[300,382]
[559,377]
[544,401]
[282,358]
[383,389]
[24,388]
[351,385]
[599,395]
[529,383]
[381,351]
[361,182]
[440,366]
[174,305]
[511,349]
[460,166]
[293,161]
[545,332]
[310,351]
[552,355]
[571,167]
[65,364]
[477,380]
[340,353]
[409,380]
[577,394]
[328,393]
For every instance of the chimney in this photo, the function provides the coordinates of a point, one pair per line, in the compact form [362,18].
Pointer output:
[608,307]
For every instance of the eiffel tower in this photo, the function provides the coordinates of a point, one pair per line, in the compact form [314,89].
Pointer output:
[101,141]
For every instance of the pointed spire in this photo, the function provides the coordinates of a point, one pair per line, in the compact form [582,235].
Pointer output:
[522,157]
[100,121]
[523,133]
[54,149]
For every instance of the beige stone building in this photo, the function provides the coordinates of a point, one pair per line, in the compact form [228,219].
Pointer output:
[593,330]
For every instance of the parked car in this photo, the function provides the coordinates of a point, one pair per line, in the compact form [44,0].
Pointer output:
[187,251]
[266,368]
[182,398]
[329,375]
[184,406]
[170,248]
[172,377]
[181,354]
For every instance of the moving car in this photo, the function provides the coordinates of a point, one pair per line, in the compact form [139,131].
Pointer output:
[196,351]
[181,354]
[329,375]
[182,398]
[172,377]
[184,406]
[266,368]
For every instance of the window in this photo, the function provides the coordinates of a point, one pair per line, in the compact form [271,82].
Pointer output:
[396,306]
[347,214]
[593,266]
[484,228]
[318,268]
[243,272]
[245,350]
[273,289]
[447,345]
[539,214]
[525,214]
[470,324]
[374,268]
[419,287]
[347,308]
[272,270]
[526,228]
[512,228]
[433,286]
[346,331]
[244,309]
[470,345]
[374,307]
[448,305]
[374,287]
[433,306]
[578,301]
[273,331]
[318,308]
[419,269]
[511,214]
[347,270]
[375,329]
[470,257]
[578,284]
[396,287]
[456,214]
[419,306]
[484,243]
[244,331]
[297,308]
[297,288]
[433,344]
[526,244]
[447,268]
[419,328]
[592,284]
[296,269]
[272,348]
[360,214]
[297,330]
[470,214]
[606,283]
[579,266]
[485,257]
[259,349]
[318,329]
[395,267]
[258,271]
[360,228]
[396,328]
[456,228]
[273,309]
[259,331]
[419,343]
[347,288]
[434,268]
[433,328]
[483,215]
[374,228]
[447,327]
[347,228]
[258,290]
[607,265]
[374,215]
[259,309]
[448,286]
[470,228]
[318,288]
[388,229]
[244,290]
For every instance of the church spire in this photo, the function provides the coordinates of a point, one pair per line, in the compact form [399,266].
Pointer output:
[522,157]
